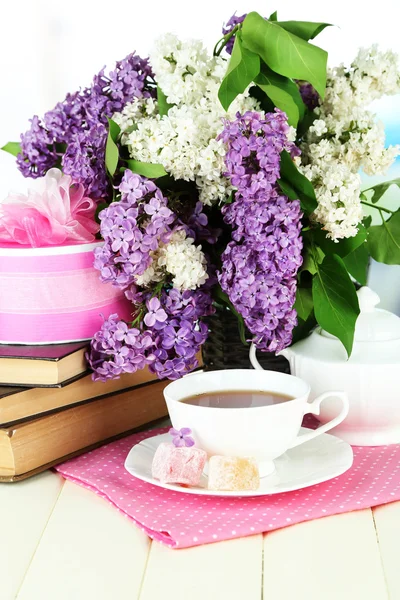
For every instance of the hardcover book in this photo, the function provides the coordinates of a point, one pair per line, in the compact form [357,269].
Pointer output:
[47,365]
[19,404]
[35,445]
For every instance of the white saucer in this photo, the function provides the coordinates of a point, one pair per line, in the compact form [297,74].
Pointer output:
[316,461]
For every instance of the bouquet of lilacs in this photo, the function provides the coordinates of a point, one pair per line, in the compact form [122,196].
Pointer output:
[228,178]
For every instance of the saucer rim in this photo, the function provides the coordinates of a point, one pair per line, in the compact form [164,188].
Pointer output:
[342,468]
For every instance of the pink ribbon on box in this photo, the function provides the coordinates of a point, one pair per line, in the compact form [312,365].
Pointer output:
[58,212]
[50,295]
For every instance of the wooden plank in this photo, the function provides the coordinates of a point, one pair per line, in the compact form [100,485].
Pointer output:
[229,570]
[332,558]
[89,550]
[25,508]
[387,524]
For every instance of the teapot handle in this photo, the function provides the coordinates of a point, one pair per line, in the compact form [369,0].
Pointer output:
[253,358]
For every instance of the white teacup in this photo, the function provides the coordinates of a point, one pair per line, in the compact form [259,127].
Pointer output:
[263,432]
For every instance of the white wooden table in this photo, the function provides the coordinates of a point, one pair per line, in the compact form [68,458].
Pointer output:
[62,542]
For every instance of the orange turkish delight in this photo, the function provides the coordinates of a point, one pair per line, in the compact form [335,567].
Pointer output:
[231,473]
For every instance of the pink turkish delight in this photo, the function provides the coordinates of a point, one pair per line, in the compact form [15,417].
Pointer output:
[178,465]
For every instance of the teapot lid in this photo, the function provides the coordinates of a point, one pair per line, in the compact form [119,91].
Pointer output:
[373,324]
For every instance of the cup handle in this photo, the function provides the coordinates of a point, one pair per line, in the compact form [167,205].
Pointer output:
[314,408]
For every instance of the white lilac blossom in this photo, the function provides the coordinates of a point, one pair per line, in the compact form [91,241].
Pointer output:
[181,259]
[185,140]
[144,241]
[184,261]
[346,137]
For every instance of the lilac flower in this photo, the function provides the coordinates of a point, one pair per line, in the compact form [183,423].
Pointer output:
[84,159]
[167,346]
[309,96]
[78,126]
[117,349]
[38,151]
[155,313]
[129,235]
[181,437]
[230,25]
[197,226]
[134,187]
[124,334]
[260,264]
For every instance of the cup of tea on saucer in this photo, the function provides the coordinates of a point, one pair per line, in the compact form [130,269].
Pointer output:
[246,413]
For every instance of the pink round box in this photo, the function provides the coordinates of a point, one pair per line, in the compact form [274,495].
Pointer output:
[53,295]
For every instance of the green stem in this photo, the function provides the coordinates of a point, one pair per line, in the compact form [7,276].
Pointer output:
[380,208]
[224,40]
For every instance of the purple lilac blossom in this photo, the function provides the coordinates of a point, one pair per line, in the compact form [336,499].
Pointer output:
[83,159]
[260,264]
[231,24]
[308,94]
[167,344]
[167,332]
[198,228]
[79,124]
[181,437]
[132,229]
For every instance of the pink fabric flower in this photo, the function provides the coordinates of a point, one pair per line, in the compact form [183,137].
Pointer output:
[56,213]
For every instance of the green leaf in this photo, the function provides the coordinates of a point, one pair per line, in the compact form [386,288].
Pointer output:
[283,92]
[266,103]
[291,176]
[311,260]
[304,29]
[384,241]
[285,53]
[303,328]
[343,247]
[380,188]
[335,300]
[114,130]
[150,170]
[243,68]
[13,148]
[304,303]
[273,16]
[305,123]
[112,153]
[367,222]
[287,189]
[163,105]
[357,263]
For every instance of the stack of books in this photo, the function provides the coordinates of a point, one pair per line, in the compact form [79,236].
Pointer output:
[51,410]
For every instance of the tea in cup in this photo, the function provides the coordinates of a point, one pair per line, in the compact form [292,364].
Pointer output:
[246,413]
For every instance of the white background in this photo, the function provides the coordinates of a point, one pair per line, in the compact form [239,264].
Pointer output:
[50,47]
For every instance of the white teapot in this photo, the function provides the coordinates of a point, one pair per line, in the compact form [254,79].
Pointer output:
[371,376]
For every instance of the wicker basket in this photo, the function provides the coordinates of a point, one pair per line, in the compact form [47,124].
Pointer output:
[224,349]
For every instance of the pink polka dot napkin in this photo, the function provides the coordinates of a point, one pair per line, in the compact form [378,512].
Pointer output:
[182,520]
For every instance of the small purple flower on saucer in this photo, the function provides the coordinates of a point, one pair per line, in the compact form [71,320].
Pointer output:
[181,437]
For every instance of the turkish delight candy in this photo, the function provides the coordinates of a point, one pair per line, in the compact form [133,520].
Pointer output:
[178,465]
[230,473]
